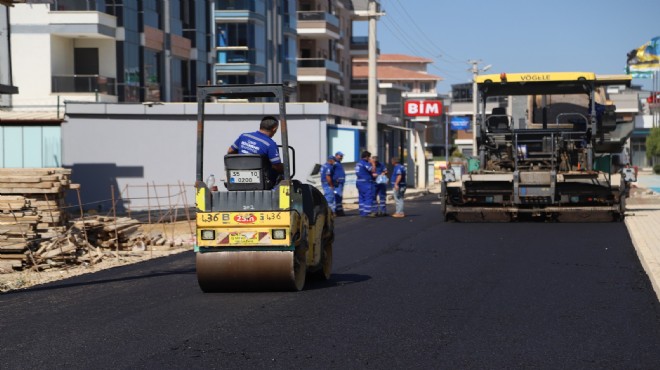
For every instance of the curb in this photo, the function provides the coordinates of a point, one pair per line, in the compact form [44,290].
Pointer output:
[639,225]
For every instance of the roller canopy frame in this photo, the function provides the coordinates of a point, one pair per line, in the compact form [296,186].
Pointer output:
[278,92]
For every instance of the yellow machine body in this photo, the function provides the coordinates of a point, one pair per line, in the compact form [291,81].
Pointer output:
[259,234]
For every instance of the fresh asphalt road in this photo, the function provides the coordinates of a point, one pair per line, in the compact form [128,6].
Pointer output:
[406,293]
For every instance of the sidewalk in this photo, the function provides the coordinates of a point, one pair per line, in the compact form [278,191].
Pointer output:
[643,222]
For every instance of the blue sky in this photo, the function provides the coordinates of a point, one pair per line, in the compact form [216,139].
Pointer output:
[517,35]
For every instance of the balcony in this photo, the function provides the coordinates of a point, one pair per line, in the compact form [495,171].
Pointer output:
[233,55]
[318,25]
[360,46]
[239,10]
[359,86]
[237,60]
[81,21]
[77,5]
[236,5]
[92,84]
[318,70]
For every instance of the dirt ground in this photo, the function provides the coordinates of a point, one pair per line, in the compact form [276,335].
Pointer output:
[180,234]
[641,196]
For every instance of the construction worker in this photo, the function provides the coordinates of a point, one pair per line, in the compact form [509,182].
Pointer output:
[261,142]
[380,188]
[338,179]
[365,173]
[398,186]
[327,172]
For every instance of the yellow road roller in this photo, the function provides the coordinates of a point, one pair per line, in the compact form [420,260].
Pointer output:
[259,234]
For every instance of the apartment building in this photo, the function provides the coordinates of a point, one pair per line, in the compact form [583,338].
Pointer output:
[111,51]
[398,76]
[255,41]
[108,51]
[324,31]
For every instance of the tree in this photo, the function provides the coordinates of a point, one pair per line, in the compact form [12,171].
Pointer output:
[653,143]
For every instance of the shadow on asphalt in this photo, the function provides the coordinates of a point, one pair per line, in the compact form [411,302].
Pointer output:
[63,284]
[336,280]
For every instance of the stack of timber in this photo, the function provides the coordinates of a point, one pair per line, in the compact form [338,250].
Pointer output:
[91,239]
[88,240]
[32,210]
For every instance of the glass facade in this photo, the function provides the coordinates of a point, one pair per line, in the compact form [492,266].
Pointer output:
[152,75]
[128,53]
[155,62]
[259,49]
[151,10]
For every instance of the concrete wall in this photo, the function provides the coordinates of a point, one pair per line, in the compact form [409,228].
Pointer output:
[135,145]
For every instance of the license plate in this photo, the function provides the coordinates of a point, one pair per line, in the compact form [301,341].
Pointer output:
[244,177]
[244,238]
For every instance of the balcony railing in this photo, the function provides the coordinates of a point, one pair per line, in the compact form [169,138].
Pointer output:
[318,16]
[361,43]
[359,40]
[78,5]
[235,5]
[84,84]
[236,56]
[318,63]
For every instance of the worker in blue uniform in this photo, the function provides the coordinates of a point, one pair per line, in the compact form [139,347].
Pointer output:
[326,173]
[398,186]
[338,179]
[261,142]
[380,188]
[365,174]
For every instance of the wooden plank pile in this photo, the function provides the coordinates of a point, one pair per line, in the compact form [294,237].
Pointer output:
[88,240]
[31,210]
[94,238]
[35,231]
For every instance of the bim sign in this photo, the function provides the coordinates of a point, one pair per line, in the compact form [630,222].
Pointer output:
[422,108]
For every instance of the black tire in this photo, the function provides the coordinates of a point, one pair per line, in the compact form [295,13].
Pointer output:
[443,201]
[325,269]
[299,271]
[300,257]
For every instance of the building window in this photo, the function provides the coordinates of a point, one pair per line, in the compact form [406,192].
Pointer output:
[152,76]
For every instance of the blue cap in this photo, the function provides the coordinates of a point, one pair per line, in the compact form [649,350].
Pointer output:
[331,157]
[339,153]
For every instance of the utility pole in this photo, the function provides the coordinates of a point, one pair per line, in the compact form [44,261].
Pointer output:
[372,117]
[475,73]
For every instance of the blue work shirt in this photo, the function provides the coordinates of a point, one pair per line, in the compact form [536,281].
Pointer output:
[257,143]
[339,175]
[363,171]
[398,170]
[379,168]
[326,169]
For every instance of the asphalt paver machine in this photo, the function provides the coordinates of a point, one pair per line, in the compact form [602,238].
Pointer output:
[551,146]
[257,234]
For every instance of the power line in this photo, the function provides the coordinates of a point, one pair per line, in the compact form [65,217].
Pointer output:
[424,34]
[416,52]
[412,43]
[411,48]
